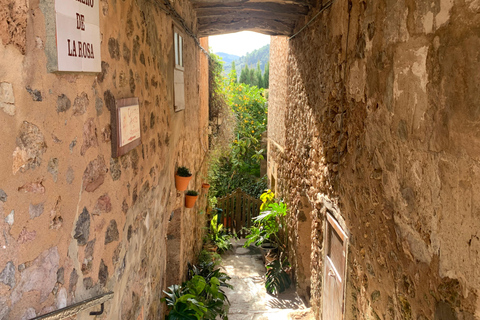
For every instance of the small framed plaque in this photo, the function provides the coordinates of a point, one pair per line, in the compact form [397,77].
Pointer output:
[126,126]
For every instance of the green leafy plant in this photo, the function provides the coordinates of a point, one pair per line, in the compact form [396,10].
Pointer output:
[192,193]
[209,256]
[216,300]
[182,304]
[184,172]
[269,223]
[277,279]
[208,270]
[217,235]
[270,226]
[200,297]
[236,164]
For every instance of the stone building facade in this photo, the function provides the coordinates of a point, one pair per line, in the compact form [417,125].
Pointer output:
[374,120]
[75,221]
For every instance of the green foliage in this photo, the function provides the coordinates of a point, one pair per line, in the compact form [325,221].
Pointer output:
[271,226]
[208,256]
[225,180]
[277,279]
[254,77]
[217,104]
[217,235]
[267,226]
[261,55]
[233,74]
[184,172]
[208,271]
[192,193]
[266,76]
[182,304]
[201,296]
[239,165]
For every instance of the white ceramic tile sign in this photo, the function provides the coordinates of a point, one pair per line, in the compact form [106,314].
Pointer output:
[78,35]
[129,124]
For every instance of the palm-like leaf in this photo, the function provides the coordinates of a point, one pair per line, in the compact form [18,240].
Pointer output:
[277,280]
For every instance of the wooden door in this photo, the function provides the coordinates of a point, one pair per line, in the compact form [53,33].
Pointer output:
[334,271]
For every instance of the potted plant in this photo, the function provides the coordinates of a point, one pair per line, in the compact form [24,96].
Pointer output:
[182,178]
[269,231]
[190,198]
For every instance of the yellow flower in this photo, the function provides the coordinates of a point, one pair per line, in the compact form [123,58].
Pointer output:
[253,131]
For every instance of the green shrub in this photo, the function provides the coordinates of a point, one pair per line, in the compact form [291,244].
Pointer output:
[217,235]
[267,226]
[208,256]
[184,172]
[277,279]
[192,193]
[271,226]
[235,161]
[201,296]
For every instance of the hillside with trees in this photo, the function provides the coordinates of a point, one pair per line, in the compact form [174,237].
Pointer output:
[251,69]
[227,58]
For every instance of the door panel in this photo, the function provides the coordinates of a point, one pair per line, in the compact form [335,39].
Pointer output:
[334,271]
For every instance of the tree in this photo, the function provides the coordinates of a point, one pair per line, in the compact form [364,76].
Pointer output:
[258,76]
[266,75]
[244,75]
[251,80]
[233,73]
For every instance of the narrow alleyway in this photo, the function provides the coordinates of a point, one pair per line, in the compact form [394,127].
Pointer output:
[249,299]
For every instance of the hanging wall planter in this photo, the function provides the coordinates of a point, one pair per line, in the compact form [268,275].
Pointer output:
[182,178]
[190,198]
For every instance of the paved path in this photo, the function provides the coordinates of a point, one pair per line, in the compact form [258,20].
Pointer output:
[249,300]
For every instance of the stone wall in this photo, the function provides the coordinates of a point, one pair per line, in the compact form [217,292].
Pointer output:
[382,121]
[277,101]
[76,222]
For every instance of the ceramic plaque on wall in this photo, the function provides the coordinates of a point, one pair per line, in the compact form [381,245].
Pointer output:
[126,126]
[78,35]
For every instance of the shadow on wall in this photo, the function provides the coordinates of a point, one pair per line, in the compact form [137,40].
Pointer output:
[344,139]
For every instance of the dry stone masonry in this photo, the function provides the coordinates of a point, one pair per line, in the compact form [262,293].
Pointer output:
[380,125]
[76,222]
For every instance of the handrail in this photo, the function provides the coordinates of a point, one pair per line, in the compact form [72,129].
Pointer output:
[78,307]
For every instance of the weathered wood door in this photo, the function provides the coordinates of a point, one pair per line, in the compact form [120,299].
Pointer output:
[334,271]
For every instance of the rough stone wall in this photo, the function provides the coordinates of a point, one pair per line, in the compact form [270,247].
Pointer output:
[75,222]
[277,101]
[386,126]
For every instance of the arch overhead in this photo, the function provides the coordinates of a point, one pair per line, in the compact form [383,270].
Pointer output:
[272,17]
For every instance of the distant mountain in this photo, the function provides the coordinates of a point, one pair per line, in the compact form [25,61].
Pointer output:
[251,58]
[227,58]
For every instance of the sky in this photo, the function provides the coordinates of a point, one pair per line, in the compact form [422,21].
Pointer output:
[238,43]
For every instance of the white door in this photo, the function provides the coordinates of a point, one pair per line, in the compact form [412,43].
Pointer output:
[334,271]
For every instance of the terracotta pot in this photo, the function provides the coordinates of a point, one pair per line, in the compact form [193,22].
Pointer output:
[181,183]
[190,201]
[205,186]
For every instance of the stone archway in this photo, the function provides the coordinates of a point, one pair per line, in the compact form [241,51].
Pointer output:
[274,17]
